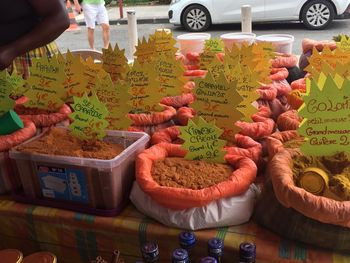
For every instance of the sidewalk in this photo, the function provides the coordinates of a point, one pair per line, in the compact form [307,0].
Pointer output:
[146,14]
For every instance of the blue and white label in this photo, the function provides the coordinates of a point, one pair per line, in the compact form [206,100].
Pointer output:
[62,183]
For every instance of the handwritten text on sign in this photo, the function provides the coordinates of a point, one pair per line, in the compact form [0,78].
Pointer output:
[327,118]
[217,100]
[89,118]
[202,141]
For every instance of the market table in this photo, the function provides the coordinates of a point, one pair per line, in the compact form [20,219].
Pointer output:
[76,237]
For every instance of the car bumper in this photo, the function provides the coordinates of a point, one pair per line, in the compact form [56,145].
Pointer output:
[345,14]
[174,14]
[342,6]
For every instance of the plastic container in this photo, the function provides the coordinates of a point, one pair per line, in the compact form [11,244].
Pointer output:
[283,43]
[238,38]
[192,42]
[92,186]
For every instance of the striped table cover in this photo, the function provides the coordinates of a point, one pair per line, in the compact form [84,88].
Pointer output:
[79,238]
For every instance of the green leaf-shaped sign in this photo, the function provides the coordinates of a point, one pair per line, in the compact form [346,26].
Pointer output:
[202,141]
[326,112]
[89,118]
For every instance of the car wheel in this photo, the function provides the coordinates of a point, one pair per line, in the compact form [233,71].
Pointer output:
[317,14]
[196,18]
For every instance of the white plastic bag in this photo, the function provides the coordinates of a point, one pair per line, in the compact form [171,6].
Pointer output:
[224,212]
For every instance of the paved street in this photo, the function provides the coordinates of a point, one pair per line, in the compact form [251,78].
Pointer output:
[119,33]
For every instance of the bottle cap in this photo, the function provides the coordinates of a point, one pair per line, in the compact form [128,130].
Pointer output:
[215,247]
[208,260]
[10,122]
[180,254]
[150,251]
[187,239]
[247,251]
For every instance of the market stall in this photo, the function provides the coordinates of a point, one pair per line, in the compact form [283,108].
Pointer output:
[223,137]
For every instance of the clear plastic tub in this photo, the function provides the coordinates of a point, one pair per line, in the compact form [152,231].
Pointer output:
[237,38]
[192,42]
[283,43]
[86,185]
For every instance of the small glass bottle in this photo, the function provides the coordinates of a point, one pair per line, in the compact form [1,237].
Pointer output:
[150,252]
[180,255]
[187,241]
[208,260]
[247,252]
[216,248]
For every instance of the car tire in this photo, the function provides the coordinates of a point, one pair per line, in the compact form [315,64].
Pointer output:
[196,18]
[317,14]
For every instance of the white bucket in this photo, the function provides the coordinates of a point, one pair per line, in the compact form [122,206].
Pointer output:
[237,38]
[283,43]
[192,42]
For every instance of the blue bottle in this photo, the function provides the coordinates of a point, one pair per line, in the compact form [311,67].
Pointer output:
[150,252]
[216,248]
[187,241]
[180,255]
[208,260]
[247,252]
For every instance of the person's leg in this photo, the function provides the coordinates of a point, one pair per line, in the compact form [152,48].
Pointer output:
[91,38]
[105,34]
[103,20]
[90,15]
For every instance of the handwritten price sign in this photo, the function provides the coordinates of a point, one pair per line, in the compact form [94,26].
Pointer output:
[47,89]
[202,141]
[326,113]
[217,100]
[6,88]
[89,118]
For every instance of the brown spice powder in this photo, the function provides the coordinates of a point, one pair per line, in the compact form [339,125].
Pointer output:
[181,173]
[58,141]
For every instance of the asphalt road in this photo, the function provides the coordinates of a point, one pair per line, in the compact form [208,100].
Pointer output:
[119,33]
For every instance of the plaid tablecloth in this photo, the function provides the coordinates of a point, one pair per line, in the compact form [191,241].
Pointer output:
[78,238]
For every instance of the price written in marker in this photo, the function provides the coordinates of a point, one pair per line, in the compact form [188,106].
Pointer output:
[326,112]
[89,118]
[202,141]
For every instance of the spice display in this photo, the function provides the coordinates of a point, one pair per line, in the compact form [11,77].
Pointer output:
[59,141]
[181,173]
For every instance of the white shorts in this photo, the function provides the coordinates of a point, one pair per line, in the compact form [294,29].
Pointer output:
[95,13]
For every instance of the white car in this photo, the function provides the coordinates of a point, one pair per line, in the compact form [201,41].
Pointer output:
[198,15]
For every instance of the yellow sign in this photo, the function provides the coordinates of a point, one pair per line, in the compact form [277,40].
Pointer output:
[344,43]
[144,88]
[318,59]
[208,56]
[89,118]
[145,51]
[17,83]
[47,89]
[326,112]
[76,81]
[247,85]
[170,74]
[217,100]
[114,96]
[202,141]
[115,63]
[6,103]
[214,45]
[93,70]
[164,43]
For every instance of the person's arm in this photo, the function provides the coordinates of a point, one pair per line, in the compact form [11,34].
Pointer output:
[54,21]
[77,6]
